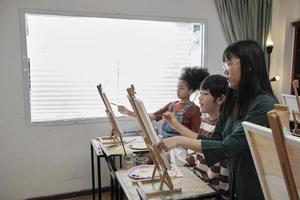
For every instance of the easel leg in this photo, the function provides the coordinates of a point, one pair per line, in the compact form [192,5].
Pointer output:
[93,171]
[162,182]
[153,173]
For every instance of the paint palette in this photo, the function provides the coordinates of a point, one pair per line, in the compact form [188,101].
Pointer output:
[141,172]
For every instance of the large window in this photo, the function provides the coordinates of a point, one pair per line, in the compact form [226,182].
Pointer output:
[68,56]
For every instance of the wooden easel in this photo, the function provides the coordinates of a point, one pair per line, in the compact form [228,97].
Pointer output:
[116,131]
[295,87]
[296,114]
[160,162]
[296,117]
[276,117]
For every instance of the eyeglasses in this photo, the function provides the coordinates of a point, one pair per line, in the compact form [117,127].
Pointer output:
[225,66]
[228,64]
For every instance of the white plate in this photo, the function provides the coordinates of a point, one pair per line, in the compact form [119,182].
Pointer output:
[138,146]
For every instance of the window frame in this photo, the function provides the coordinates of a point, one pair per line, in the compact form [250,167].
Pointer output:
[25,67]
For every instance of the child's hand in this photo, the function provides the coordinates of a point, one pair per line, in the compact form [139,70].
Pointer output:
[171,119]
[123,110]
[168,143]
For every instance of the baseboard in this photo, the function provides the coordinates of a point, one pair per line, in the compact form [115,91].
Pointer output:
[68,195]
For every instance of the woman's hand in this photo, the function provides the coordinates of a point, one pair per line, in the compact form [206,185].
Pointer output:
[171,119]
[184,142]
[169,143]
[123,110]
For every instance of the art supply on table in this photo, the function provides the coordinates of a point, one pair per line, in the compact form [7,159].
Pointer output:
[140,160]
[128,161]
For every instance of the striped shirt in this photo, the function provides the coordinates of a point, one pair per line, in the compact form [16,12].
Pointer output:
[216,175]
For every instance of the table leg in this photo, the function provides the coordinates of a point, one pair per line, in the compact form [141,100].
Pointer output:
[120,162]
[121,193]
[93,172]
[114,194]
[111,188]
[118,192]
[116,189]
[99,178]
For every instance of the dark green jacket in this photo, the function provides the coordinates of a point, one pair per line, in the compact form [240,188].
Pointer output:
[229,143]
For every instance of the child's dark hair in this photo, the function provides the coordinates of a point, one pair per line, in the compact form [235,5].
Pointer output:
[193,76]
[216,84]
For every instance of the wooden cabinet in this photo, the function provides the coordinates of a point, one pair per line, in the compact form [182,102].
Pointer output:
[296,54]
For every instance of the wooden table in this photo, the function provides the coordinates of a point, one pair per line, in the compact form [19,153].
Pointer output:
[192,186]
[101,151]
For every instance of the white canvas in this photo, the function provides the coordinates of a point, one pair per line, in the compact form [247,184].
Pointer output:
[266,160]
[150,130]
[291,102]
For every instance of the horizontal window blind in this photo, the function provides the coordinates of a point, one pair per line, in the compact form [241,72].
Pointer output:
[69,56]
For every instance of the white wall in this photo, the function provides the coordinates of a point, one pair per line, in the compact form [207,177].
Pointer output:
[45,160]
[284,12]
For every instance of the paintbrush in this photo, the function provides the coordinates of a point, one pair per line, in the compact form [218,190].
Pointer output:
[114,104]
[119,144]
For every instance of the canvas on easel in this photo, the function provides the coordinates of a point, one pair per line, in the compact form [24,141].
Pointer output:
[116,132]
[271,153]
[266,161]
[296,118]
[291,102]
[296,113]
[295,87]
[160,159]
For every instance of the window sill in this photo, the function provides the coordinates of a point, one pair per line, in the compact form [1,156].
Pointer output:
[100,120]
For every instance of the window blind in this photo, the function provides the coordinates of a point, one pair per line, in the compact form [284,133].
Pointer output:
[69,56]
